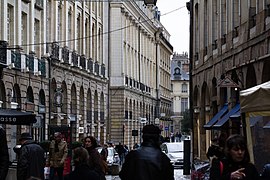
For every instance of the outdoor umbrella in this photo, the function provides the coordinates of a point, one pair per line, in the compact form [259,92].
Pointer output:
[15,117]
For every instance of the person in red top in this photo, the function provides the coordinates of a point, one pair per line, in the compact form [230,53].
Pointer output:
[57,156]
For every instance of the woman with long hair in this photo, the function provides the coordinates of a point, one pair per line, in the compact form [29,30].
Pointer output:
[95,161]
[236,164]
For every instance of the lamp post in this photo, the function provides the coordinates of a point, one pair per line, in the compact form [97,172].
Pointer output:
[190,147]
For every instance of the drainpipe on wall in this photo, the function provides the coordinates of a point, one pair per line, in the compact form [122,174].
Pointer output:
[108,126]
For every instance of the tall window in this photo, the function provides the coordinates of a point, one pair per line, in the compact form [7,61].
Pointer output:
[206,23]
[196,29]
[37,36]
[223,17]
[184,104]
[214,23]
[87,37]
[93,42]
[10,24]
[100,46]
[24,29]
[59,22]
[48,19]
[69,29]
[79,40]
[184,88]
[236,17]
[101,10]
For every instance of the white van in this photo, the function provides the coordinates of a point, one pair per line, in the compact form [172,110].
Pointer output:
[175,151]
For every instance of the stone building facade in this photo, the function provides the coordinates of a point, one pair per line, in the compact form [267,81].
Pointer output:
[52,65]
[230,52]
[139,57]
[180,88]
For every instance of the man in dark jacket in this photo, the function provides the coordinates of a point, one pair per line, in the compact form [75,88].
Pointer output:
[147,162]
[31,160]
[4,157]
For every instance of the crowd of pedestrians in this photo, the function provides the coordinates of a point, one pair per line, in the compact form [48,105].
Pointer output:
[229,159]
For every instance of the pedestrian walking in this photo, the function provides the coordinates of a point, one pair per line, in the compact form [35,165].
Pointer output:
[147,162]
[57,155]
[215,154]
[236,164]
[104,154]
[82,170]
[31,159]
[4,157]
[121,151]
[95,161]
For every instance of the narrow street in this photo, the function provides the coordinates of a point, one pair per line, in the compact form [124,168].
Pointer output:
[178,175]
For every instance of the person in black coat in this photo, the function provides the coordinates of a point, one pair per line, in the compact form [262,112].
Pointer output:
[4,157]
[82,170]
[147,162]
[236,164]
[31,159]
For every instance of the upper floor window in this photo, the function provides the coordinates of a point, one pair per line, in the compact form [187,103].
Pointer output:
[24,30]
[179,63]
[69,29]
[177,71]
[184,104]
[37,35]
[10,24]
[184,88]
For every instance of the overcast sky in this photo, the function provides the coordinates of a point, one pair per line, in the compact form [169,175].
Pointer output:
[176,23]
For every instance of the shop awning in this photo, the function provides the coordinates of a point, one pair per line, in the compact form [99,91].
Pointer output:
[226,117]
[15,117]
[254,120]
[267,125]
[222,111]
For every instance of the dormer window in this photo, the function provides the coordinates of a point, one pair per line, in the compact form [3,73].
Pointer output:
[179,63]
[177,71]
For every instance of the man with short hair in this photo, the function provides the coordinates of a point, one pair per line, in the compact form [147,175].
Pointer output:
[57,156]
[4,157]
[147,162]
[31,159]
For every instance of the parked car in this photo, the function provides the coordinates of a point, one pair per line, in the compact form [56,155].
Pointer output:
[200,170]
[113,160]
[175,151]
